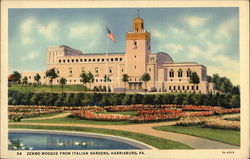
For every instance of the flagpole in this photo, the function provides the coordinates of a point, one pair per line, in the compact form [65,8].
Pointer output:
[107,48]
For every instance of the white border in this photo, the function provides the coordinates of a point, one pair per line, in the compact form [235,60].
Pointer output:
[244,70]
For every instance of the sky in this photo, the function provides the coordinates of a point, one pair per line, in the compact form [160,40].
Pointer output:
[208,36]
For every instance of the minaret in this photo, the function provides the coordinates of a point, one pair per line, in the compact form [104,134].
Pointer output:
[137,50]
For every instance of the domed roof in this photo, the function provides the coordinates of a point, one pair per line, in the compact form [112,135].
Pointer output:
[163,57]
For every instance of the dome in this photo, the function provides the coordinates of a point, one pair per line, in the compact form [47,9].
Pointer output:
[163,57]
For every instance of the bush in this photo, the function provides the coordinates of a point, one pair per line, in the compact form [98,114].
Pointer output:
[71,99]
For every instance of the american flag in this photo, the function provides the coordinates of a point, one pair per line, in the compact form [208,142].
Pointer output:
[110,35]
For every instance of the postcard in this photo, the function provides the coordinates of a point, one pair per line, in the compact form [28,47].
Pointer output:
[128,79]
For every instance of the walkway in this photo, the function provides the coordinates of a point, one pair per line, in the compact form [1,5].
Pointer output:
[49,117]
[195,142]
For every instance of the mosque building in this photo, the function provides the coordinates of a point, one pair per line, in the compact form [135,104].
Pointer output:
[166,75]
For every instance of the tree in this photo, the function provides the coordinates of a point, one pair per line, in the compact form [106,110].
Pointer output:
[62,82]
[145,78]
[90,78]
[37,78]
[84,79]
[194,79]
[16,77]
[25,81]
[125,80]
[51,74]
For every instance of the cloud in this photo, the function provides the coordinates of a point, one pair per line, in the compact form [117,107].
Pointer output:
[48,30]
[177,31]
[174,48]
[226,28]
[194,21]
[87,30]
[31,56]
[30,27]
[27,25]
[157,34]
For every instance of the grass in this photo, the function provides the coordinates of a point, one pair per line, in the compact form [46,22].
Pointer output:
[156,142]
[226,136]
[46,88]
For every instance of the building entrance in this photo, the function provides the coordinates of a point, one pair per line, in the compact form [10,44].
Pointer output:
[135,85]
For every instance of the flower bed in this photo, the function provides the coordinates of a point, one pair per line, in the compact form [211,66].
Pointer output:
[158,111]
[228,111]
[137,107]
[211,122]
[89,113]
[200,108]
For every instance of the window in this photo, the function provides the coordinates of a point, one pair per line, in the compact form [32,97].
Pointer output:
[93,60]
[112,59]
[110,70]
[187,87]
[89,60]
[192,87]
[70,70]
[120,59]
[85,60]
[174,87]
[171,73]
[169,87]
[135,67]
[122,70]
[135,44]
[75,81]
[60,61]
[98,60]
[68,60]
[152,59]
[179,73]
[83,69]
[197,87]
[63,61]
[150,69]
[44,77]
[116,59]
[188,73]
[107,59]
[76,60]
[96,80]
[135,56]
[183,87]
[80,60]
[96,70]
[72,60]
[179,87]
[102,60]
[142,25]
[29,77]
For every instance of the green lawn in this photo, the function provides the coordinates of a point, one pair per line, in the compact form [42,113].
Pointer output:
[133,113]
[225,136]
[156,142]
[46,88]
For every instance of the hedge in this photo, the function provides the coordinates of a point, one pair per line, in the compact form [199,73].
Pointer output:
[103,99]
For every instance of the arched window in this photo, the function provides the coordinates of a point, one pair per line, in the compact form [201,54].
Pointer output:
[188,73]
[179,73]
[171,73]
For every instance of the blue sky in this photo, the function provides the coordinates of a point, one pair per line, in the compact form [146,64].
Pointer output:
[209,36]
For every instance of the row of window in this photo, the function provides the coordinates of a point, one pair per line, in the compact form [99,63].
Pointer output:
[75,81]
[34,77]
[89,60]
[180,73]
[182,88]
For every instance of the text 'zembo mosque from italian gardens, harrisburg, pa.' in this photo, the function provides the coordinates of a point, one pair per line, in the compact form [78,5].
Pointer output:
[166,75]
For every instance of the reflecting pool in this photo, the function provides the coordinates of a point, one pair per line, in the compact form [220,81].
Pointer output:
[50,141]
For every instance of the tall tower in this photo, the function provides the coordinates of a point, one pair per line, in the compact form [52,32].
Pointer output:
[137,50]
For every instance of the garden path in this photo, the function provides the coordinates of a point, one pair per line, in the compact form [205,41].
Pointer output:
[49,117]
[195,142]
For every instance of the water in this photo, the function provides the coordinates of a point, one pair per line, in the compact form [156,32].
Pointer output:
[41,141]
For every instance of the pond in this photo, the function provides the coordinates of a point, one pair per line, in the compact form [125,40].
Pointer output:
[55,140]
